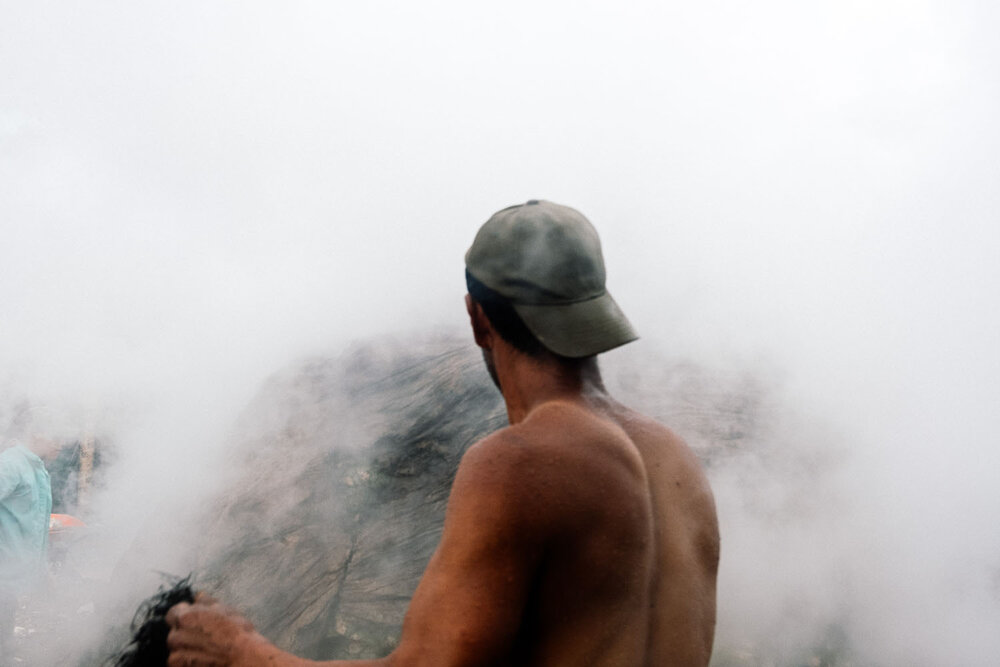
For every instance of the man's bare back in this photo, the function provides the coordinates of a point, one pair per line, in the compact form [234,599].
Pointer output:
[630,539]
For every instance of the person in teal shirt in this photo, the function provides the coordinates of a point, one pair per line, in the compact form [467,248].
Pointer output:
[25,506]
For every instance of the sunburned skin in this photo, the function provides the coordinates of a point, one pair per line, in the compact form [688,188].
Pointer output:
[582,534]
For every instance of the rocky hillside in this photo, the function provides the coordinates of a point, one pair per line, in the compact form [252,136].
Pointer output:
[342,469]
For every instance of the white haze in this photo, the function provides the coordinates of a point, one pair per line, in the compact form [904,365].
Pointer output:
[193,194]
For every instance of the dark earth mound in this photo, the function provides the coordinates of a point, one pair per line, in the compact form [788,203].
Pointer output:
[343,469]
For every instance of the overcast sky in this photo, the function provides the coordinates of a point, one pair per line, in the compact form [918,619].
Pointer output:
[192,194]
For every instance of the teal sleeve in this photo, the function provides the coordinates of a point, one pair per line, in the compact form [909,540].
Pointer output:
[9,477]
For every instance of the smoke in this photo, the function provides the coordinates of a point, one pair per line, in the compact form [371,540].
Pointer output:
[195,195]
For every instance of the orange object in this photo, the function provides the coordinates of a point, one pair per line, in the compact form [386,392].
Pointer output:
[61,522]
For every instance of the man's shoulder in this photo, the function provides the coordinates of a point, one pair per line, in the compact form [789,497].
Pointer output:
[519,445]
[551,451]
[514,461]
[497,455]
[498,485]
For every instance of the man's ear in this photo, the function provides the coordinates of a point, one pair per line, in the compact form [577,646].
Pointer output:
[481,328]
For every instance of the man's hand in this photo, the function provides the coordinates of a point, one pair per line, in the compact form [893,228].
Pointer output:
[210,634]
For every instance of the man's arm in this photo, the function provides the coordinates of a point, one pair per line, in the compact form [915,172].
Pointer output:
[468,605]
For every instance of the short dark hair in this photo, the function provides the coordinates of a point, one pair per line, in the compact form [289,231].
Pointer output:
[504,318]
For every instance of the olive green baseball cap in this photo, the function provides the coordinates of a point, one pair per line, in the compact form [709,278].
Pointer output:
[546,260]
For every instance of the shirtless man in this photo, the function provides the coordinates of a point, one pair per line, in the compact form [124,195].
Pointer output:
[582,534]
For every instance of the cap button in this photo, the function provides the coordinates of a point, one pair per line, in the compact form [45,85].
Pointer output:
[531,202]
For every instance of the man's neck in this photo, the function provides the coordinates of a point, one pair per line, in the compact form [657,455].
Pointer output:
[527,382]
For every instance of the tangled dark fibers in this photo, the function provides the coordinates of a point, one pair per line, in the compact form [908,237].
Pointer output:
[148,647]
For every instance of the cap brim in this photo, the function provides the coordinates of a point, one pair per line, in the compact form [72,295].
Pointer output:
[579,329]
